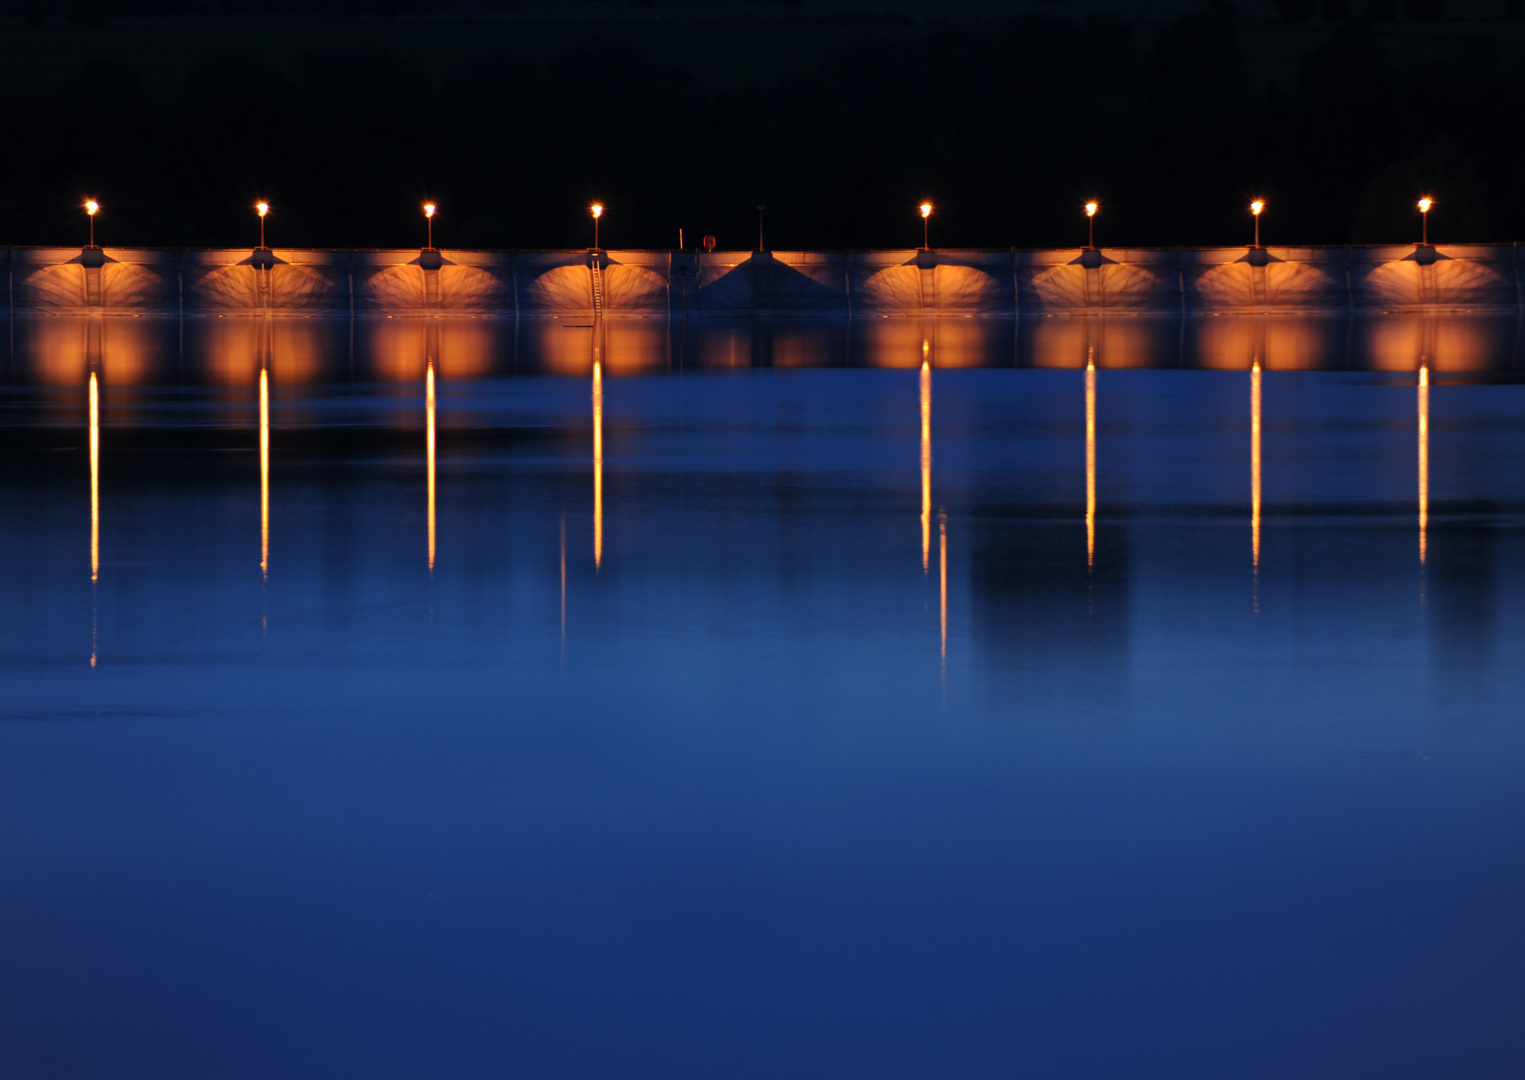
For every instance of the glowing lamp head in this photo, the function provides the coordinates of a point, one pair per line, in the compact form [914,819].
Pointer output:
[1091,209]
[429,209]
[1425,204]
[597,210]
[262,208]
[91,206]
[926,209]
[1256,207]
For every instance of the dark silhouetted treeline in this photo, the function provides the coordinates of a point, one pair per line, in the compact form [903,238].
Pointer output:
[1007,133]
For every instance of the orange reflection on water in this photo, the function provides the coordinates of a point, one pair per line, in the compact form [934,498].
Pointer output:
[231,350]
[394,349]
[1090,463]
[890,343]
[958,342]
[1445,342]
[264,472]
[1292,343]
[95,482]
[1073,341]
[625,346]
[794,346]
[632,346]
[598,465]
[429,443]
[926,464]
[1255,464]
[1424,460]
[57,351]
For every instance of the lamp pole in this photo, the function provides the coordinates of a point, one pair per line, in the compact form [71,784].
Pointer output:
[926,213]
[598,212]
[760,209]
[1424,218]
[262,208]
[429,209]
[1255,208]
[1091,209]
[91,206]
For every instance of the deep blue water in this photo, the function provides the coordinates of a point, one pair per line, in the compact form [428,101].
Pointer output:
[682,771]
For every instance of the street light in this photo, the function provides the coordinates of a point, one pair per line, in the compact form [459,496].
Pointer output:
[760,209]
[262,208]
[1091,209]
[91,206]
[1255,208]
[598,212]
[926,212]
[1424,216]
[429,209]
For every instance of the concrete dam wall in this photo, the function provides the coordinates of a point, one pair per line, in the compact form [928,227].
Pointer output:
[137,281]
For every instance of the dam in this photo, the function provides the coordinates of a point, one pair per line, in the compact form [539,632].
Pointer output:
[730,284]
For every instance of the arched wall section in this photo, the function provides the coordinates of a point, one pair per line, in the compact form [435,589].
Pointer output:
[566,284]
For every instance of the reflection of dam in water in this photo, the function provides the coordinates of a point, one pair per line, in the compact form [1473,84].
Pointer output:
[232,351]
[562,284]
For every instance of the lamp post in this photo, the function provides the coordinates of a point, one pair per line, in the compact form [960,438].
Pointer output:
[926,212]
[91,206]
[1091,209]
[1255,208]
[760,209]
[262,208]
[598,211]
[429,209]
[1424,218]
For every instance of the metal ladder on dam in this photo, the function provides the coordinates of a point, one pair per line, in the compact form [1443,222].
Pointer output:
[598,288]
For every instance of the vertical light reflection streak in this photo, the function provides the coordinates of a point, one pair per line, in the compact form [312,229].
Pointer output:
[1255,464]
[95,480]
[429,443]
[1090,461]
[1424,461]
[264,472]
[95,515]
[926,463]
[598,466]
[942,560]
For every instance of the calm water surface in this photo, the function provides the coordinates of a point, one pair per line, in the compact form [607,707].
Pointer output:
[891,699]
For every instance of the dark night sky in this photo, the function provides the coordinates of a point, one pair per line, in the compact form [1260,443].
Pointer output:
[346,123]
